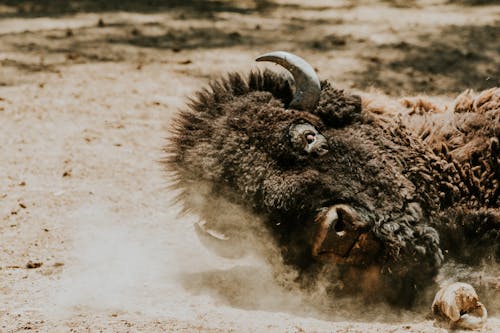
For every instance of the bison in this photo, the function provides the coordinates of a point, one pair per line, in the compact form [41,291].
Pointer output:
[381,189]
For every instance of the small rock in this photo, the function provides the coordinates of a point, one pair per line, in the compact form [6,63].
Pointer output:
[31,264]
[72,56]
[234,35]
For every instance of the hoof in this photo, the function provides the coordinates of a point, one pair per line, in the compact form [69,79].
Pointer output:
[457,306]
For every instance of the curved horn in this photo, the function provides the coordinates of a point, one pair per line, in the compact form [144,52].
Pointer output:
[307,83]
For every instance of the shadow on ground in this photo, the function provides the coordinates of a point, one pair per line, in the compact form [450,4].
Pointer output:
[474,2]
[414,3]
[454,59]
[446,61]
[200,8]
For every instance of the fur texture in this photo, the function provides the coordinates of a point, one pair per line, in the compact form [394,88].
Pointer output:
[425,180]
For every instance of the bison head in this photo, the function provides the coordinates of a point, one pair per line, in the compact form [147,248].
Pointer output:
[335,185]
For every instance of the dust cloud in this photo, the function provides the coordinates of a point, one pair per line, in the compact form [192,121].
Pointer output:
[260,280]
[156,265]
[125,265]
[159,267]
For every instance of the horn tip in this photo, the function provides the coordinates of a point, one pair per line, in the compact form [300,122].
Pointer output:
[272,55]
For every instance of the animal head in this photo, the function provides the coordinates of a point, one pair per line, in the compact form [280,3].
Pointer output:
[334,184]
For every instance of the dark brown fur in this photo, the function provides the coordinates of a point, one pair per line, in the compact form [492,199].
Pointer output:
[425,180]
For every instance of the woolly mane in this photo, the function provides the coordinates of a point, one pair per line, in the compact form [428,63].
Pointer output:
[205,107]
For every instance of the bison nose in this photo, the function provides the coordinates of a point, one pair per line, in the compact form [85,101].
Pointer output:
[338,227]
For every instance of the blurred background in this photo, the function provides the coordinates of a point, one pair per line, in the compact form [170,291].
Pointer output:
[428,46]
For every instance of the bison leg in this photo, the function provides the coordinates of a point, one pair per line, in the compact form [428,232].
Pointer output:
[458,306]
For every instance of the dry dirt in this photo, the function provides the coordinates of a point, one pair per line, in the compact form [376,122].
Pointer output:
[87,89]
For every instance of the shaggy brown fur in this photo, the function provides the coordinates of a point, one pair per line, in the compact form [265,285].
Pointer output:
[425,180]
[464,140]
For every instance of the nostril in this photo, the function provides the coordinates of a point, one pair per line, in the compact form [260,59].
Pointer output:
[340,225]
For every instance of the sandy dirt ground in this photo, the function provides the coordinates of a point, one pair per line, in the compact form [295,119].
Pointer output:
[87,89]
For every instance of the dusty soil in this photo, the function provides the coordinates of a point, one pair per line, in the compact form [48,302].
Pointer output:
[88,241]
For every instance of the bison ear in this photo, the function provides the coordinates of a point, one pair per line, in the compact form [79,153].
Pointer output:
[336,107]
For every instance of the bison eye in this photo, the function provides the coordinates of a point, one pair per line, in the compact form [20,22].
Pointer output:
[310,137]
[306,137]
